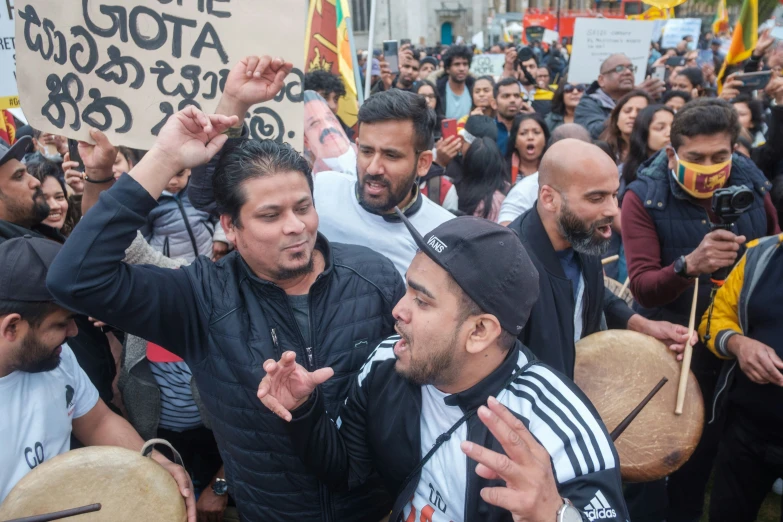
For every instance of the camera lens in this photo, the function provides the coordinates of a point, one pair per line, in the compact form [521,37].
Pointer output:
[742,200]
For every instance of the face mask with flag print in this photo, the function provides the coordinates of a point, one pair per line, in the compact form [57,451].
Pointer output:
[701,181]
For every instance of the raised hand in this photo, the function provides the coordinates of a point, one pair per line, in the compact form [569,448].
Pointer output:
[530,493]
[73,178]
[191,138]
[287,385]
[100,156]
[254,80]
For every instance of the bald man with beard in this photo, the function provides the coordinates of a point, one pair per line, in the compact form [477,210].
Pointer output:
[565,235]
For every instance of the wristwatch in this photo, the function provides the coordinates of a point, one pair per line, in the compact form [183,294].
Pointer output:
[681,268]
[220,487]
[568,513]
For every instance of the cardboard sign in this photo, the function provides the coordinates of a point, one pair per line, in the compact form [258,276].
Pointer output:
[678,28]
[487,64]
[124,67]
[595,39]
[9,97]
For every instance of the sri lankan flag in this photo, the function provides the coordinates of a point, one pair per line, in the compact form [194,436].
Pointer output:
[746,35]
[721,22]
[327,47]
[349,105]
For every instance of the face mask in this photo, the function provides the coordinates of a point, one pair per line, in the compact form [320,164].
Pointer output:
[700,181]
[51,156]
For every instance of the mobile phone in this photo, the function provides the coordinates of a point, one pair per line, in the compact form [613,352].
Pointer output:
[660,73]
[448,128]
[675,61]
[73,153]
[405,41]
[391,49]
[705,56]
[753,81]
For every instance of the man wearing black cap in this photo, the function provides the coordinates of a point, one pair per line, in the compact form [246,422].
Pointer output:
[22,209]
[46,395]
[456,351]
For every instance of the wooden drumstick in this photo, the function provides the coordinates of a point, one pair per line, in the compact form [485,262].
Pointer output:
[636,411]
[625,285]
[60,514]
[688,353]
[610,259]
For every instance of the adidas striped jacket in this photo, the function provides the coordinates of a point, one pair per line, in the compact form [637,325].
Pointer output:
[378,429]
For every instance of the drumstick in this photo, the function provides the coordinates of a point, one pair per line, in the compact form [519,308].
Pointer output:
[610,259]
[60,514]
[625,285]
[631,416]
[688,354]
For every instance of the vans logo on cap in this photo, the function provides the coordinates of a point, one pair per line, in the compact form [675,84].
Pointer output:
[436,244]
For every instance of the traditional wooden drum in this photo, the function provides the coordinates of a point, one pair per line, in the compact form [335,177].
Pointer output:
[616,369]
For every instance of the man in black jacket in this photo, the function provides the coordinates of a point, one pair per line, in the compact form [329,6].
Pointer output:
[284,288]
[455,352]
[565,235]
[22,210]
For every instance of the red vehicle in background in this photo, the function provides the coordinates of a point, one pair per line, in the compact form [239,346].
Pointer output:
[536,21]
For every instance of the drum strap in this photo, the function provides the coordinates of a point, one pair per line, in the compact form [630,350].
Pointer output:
[146,450]
[446,436]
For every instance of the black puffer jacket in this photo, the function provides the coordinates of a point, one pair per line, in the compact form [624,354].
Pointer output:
[225,322]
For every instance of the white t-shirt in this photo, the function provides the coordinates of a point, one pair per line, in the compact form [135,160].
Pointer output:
[36,411]
[521,198]
[343,220]
[440,497]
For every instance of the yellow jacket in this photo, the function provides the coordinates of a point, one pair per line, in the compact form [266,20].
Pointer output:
[731,300]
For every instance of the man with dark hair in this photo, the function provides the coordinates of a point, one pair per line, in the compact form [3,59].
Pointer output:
[395,149]
[669,241]
[456,85]
[508,96]
[417,412]
[22,211]
[46,395]
[524,68]
[330,87]
[615,80]
[566,233]
[407,75]
[285,287]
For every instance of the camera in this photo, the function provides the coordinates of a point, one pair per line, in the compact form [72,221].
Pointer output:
[730,203]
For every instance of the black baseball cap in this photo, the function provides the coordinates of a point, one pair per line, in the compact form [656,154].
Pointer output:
[488,262]
[24,263]
[16,151]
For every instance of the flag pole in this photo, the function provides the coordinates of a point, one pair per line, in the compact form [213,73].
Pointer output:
[368,76]
[357,73]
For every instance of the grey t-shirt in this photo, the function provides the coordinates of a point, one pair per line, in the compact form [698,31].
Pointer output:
[301,314]
[458,106]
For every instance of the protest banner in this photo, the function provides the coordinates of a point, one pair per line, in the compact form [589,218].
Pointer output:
[597,38]
[678,28]
[124,67]
[487,64]
[9,97]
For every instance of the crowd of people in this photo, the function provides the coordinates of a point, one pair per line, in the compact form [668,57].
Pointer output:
[384,325]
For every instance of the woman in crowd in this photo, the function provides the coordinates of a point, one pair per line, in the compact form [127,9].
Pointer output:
[126,159]
[675,99]
[620,124]
[564,103]
[427,89]
[690,80]
[483,95]
[751,117]
[483,186]
[62,214]
[650,134]
[529,134]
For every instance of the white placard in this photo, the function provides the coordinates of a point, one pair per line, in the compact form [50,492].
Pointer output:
[487,64]
[678,28]
[124,66]
[597,38]
[551,36]
[478,40]
[9,95]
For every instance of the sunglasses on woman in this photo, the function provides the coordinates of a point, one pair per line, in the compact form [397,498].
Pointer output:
[568,89]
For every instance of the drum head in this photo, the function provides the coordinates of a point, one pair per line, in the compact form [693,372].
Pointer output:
[129,487]
[617,369]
